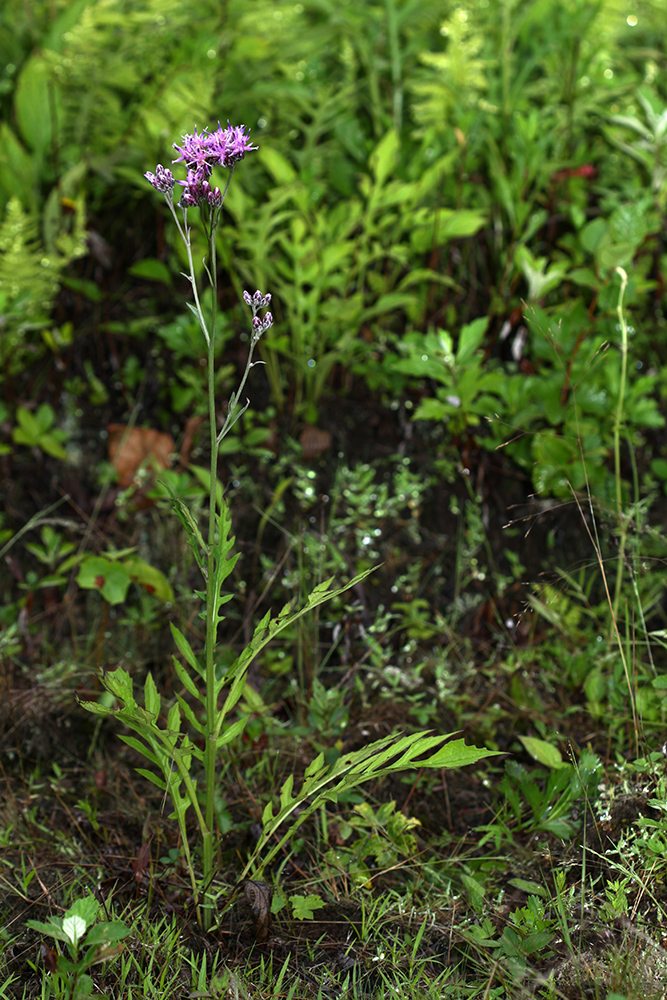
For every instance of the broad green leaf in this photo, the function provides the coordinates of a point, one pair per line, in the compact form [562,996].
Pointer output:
[543,752]
[534,888]
[150,578]
[612,255]
[110,578]
[476,892]
[314,766]
[51,929]
[34,103]
[105,932]
[17,168]
[152,270]
[29,426]
[74,929]
[85,907]
[470,339]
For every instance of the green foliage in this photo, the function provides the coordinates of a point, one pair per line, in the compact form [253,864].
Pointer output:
[112,574]
[88,943]
[36,430]
[29,277]
[551,802]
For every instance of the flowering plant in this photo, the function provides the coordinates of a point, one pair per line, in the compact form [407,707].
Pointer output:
[191,739]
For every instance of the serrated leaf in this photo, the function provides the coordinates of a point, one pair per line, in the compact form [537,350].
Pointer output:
[303,907]
[119,683]
[314,766]
[192,530]
[85,907]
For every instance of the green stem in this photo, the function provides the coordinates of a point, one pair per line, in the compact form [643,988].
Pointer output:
[623,522]
[211,608]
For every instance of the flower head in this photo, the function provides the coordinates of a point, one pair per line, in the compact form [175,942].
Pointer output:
[222,148]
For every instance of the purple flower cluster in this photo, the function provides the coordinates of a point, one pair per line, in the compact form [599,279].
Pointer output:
[201,152]
[256,302]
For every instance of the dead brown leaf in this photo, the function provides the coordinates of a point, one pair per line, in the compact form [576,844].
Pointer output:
[130,447]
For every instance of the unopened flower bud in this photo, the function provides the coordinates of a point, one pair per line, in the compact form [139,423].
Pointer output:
[187,200]
[257,324]
[162,180]
[247,298]
[267,322]
[257,298]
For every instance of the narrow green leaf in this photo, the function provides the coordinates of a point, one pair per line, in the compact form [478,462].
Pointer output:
[232,732]
[314,766]
[186,650]
[153,778]
[190,715]
[140,747]
[152,699]
[186,680]
[286,792]
[383,158]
